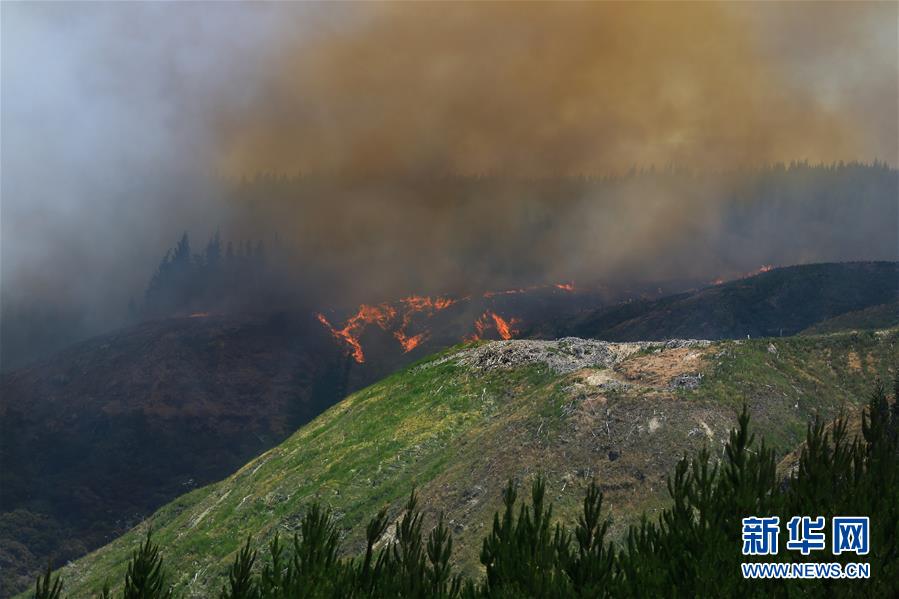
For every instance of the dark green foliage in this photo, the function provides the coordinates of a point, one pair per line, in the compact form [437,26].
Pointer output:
[272,579]
[242,584]
[145,578]
[404,568]
[370,568]
[408,559]
[591,568]
[695,545]
[522,555]
[314,565]
[45,588]
[693,549]
[440,581]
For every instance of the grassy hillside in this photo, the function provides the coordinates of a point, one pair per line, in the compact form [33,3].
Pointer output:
[458,424]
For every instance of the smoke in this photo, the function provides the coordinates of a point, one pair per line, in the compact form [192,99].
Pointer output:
[388,99]
[125,124]
[104,157]
[560,89]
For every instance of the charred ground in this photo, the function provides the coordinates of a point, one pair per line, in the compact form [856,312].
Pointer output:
[778,302]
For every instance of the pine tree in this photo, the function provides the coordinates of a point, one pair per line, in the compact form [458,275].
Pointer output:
[242,583]
[591,570]
[213,254]
[408,559]
[181,256]
[440,582]
[145,578]
[521,555]
[45,588]
[370,568]
[273,580]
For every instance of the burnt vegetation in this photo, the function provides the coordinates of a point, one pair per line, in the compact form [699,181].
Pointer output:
[691,549]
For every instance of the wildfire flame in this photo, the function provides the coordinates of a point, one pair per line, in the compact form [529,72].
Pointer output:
[380,315]
[419,303]
[409,343]
[384,316]
[504,328]
[397,318]
[746,275]
[562,286]
[198,315]
[508,291]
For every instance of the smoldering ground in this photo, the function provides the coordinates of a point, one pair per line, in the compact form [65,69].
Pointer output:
[126,124]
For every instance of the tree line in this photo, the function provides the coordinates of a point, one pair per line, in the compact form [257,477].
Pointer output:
[223,274]
[692,549]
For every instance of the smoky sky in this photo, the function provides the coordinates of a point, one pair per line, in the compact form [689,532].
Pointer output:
[546,89]
[124,124]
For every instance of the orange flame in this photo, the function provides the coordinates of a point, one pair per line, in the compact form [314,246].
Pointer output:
[409,343]
[480,327]
[562,286]
[504,328]
[419,303]
[198,315]
[415,304]
[507,292]
[397,318]
[761,269]
[344,334]
[380,315]
[384,315]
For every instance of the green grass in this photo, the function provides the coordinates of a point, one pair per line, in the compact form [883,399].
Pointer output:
[457,434]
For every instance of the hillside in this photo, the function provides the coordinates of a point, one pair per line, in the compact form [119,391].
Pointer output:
[779,302]
[883,316]
[154,410]
[458,424]
[157,409]
[100,435]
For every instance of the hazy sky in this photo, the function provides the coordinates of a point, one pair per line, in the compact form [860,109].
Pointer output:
[119,120]
[539,89]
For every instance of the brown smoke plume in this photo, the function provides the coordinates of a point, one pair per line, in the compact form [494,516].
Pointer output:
[385,99]
[544,89]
